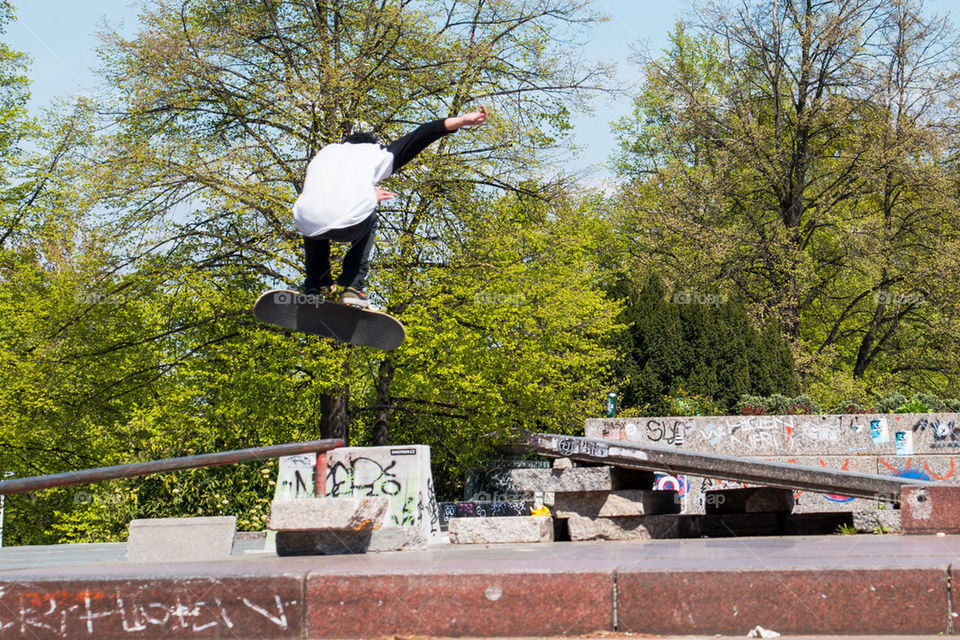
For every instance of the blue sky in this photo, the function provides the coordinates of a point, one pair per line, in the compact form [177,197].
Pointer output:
[60,37]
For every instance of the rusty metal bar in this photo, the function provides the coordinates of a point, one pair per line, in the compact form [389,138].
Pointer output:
[712,465]
[36,483]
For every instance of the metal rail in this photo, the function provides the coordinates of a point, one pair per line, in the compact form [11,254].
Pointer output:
[35,483]
[712,465]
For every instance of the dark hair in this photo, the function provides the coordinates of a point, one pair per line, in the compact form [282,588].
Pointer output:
[362,137]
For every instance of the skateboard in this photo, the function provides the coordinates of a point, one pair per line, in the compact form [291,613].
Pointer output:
[319,316]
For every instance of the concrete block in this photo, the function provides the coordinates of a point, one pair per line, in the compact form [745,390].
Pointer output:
[749,500]
[501,530]
[180,539]
[563,463]
[930,510]
[623,528]
[597,504]
[400,474]
[877,521]
[298,543]
[579,479]
[296,477]
[337,514]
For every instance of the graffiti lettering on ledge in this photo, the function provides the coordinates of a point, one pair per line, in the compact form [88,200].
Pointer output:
[91,613]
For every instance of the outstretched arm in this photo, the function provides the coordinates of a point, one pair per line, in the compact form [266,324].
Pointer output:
[466,120]
[406,148]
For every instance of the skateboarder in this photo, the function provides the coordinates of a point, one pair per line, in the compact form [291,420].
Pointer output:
[340,195]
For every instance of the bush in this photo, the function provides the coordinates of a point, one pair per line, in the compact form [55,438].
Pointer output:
[889,403]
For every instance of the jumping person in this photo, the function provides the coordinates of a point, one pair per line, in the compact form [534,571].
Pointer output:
[340,195]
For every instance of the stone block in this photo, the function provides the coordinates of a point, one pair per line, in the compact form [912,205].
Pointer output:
[749,500]
[602,504]
[865,602]
[930,510]
[180,539]
[623,528]
[400,474]
[337,514]
[450,510]
[298,543]
[501,530]
[580,479]
[877,521]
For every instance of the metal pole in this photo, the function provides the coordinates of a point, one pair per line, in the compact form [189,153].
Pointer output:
[3,497]
[35,483]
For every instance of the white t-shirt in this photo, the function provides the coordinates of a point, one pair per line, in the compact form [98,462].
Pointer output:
[339,190]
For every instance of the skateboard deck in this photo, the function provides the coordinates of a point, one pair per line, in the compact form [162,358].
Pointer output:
[319,316]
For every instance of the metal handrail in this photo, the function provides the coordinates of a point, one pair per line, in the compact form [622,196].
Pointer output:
[84,476]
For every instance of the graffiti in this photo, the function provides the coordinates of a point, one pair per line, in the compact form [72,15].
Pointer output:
[671,432]
[667,482]
[945,434]
[92,613]
[295,477]
[906,469]
[404,478]
[342,478]
[483,510]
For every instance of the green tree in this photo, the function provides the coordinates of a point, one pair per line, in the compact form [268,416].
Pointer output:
[137,342]
[799,154]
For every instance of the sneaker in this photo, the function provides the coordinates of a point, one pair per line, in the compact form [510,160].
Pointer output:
[325,291]
[356,298]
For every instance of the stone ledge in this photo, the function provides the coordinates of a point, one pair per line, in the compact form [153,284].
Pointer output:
[500,530]
[328,514]
[181,539]
[601,504]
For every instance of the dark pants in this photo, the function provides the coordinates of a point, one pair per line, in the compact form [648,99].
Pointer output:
[355,263]
[360,236]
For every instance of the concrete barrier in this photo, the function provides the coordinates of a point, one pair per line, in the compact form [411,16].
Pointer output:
[919,446]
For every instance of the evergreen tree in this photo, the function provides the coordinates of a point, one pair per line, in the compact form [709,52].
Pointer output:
[674,345]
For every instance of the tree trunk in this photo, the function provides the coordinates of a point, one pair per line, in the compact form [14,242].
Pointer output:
[335,416]
[384,402]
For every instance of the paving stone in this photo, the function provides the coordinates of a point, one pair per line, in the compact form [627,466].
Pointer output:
[298,543]
[930,510]
[580,479]
[315,514]
[501,530]
[749,500]
[433,603]
[595,504]
[180,539]
[623,528]
[879,602]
